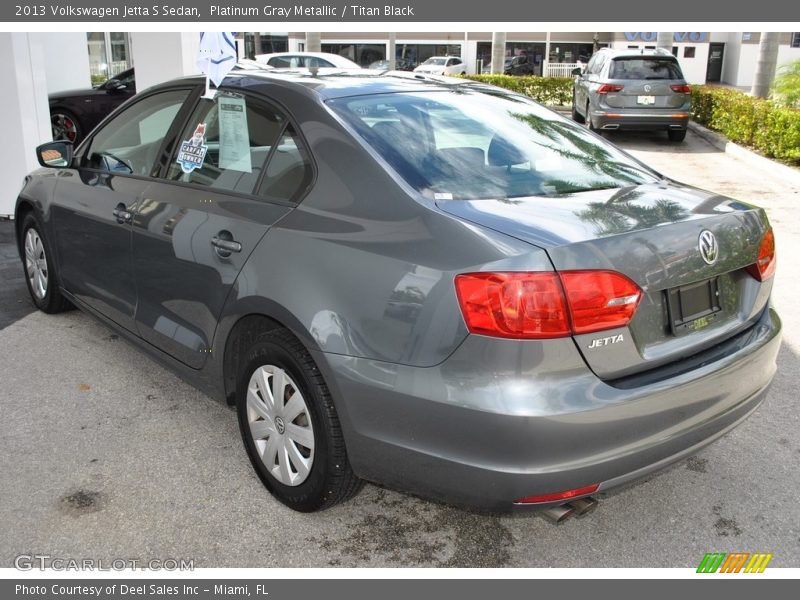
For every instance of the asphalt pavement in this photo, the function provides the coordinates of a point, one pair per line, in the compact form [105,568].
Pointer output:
[106,455]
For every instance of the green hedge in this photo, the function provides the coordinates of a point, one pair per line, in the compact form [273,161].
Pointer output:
[770,129]
[547,90]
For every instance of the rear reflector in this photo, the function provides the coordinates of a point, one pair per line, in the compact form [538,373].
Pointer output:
[764,267]
[609,87]
[542,305]
[555,497]
[681,88]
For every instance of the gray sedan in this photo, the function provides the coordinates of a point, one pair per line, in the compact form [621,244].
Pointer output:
[436,285]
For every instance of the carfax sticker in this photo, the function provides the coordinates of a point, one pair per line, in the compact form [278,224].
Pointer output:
[192,153]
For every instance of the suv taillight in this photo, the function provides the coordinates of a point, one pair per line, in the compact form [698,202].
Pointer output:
[609,87]
[764,267]
[681,88]
[542,305]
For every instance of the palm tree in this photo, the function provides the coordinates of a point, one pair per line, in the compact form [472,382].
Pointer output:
[767,61]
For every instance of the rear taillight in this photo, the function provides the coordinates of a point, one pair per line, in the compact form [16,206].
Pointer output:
[609,87]
[513,305]
[681,88]
[546,304]
[599,299]
[555,497]
[764,267]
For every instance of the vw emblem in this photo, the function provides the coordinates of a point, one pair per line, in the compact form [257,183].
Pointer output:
[647,88]
[707,243]
[279,425]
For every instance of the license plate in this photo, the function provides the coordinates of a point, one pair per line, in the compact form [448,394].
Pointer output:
[646,100]
[694,306]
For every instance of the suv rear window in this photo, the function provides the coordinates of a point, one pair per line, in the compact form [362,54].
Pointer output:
[644,68]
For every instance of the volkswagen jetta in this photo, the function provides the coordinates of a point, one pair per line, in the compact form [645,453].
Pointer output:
[433,284]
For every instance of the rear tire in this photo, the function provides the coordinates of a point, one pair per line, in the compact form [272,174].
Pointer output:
[289,425]
[676,135]
[40,271]
[65,126]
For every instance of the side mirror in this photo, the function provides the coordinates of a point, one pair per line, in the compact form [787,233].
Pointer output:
[55,154]
[577,71]
[114,85]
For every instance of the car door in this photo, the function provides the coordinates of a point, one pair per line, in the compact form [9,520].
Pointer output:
[581,83]
[93,204]
[236,169]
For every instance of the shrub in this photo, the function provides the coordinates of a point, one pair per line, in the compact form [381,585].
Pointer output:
[762,124]
[786,87]
[546,90]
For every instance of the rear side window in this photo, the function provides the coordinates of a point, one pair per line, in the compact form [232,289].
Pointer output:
[644,68]
[236,144]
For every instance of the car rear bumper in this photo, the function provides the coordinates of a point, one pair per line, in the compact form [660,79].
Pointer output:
[501,419]
[626,118]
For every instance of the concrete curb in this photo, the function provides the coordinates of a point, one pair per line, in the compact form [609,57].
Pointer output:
[756,161]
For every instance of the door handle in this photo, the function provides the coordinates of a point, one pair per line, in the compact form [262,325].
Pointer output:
[122,213]
[224,244]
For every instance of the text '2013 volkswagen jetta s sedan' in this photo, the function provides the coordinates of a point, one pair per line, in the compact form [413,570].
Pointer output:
[433,284]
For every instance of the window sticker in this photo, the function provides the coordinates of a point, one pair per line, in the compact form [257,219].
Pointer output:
[234,136]
[192,153]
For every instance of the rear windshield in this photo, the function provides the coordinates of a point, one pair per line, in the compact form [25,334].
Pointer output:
[469,144]
[644,68]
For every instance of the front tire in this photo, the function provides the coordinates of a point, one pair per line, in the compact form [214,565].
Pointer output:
[40,273]
[65,126]
[290,427]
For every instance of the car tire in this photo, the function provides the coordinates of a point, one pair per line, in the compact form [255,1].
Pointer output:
[676,135]
[65,126]
[40,272]
[295,445]
[576,116]
[588,119]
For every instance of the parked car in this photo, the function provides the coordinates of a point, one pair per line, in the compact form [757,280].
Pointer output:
[442,65]
[519,65]
[632,89]
[442,287]
[303,60]
[74,113]
[400,65]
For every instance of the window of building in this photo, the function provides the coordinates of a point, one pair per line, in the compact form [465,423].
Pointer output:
[362,54]
[796,40]
[109,55]
[689,52]
[264,42]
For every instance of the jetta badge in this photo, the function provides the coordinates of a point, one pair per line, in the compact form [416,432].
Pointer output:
[707,243]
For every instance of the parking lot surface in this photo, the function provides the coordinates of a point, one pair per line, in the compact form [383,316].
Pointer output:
[106,455]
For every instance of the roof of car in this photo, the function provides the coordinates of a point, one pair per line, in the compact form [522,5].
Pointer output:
[633,52]
[332,83]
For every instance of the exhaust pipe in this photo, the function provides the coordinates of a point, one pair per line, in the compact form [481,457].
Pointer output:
[583,506]
[558,514]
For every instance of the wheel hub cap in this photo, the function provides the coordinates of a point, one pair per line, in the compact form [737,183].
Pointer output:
[280,425]
[36,263]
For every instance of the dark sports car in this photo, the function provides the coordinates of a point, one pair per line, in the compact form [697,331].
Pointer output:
[74,113]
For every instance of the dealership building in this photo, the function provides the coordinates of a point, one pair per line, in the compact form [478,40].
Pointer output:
[37,64]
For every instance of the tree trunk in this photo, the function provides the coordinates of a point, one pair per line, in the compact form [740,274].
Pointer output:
[765,67]
[498,53]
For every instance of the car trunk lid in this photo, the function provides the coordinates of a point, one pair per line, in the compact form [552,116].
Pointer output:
[651,234]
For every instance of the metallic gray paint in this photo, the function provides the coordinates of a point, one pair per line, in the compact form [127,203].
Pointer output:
[362,272]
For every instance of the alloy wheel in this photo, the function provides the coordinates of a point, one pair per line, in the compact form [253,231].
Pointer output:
[36,263]
[64,127]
